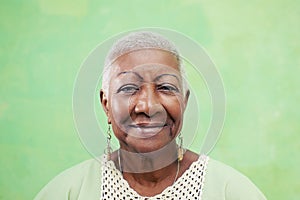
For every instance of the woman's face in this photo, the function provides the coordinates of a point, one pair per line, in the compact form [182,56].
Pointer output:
[145,103]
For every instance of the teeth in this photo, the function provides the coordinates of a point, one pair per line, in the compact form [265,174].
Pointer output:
[146,131]
[148,126]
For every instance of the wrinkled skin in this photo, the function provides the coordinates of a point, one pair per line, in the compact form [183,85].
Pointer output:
[145,103]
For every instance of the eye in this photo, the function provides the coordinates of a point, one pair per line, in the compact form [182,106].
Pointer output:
[128,89]
[166,87]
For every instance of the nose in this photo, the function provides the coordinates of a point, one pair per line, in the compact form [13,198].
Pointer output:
[147,101]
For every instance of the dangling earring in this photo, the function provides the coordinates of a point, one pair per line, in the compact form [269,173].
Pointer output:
[108,147]
[180,149]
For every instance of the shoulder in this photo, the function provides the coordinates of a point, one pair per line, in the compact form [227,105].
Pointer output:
[74,182]
[224,182]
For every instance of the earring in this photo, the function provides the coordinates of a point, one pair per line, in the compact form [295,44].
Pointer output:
[180,149]
[108,147]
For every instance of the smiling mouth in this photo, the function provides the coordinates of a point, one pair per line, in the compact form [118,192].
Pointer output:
[147,125]
[146,130]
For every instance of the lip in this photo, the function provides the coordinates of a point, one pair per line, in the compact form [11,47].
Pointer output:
[148,125]
[146,130]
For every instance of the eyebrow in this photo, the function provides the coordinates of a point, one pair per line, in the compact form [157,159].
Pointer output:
[127,72]
[141,78]
[161,75]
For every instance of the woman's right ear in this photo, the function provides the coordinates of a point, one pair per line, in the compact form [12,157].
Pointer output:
[104,102]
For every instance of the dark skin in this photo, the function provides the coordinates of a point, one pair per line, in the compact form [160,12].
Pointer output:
[145,106]
[153,183]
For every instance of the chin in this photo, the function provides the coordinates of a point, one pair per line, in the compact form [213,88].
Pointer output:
[147,145]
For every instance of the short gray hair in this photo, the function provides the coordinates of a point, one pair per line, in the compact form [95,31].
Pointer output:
[136,41]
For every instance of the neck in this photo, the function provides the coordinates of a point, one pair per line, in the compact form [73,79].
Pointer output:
[150,169]
[164,176]
[135,162]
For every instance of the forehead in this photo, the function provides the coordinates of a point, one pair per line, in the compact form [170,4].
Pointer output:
[144,57]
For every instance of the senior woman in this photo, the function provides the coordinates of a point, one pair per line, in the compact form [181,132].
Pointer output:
[144,97]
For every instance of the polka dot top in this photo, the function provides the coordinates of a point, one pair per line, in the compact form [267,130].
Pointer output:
[188,186]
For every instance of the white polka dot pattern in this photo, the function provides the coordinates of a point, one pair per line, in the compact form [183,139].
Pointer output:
[188,186]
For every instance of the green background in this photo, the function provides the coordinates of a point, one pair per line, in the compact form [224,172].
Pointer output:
[255,45]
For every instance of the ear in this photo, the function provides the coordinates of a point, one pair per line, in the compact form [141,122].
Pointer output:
[186,98]
[104,103]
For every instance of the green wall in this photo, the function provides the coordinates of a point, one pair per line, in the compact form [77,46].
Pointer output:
[255,45]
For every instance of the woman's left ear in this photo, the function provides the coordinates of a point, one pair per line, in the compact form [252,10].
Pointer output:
[186,98]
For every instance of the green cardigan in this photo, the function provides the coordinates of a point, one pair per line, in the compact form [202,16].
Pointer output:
[83,182]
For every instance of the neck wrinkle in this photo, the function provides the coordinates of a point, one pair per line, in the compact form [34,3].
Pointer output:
[148,162]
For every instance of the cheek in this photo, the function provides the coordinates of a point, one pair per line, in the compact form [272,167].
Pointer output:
[174,107]
[120,108]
